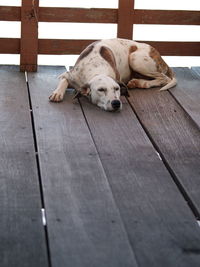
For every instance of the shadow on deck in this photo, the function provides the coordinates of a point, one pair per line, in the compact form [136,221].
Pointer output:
[116,189]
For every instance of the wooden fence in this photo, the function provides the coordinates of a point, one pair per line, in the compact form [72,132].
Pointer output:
[30,13]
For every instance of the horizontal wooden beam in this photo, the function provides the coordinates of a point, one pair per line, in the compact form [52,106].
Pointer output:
[74,47]
[9,45]
[105,15]
[168,17]
[84,15]
[62,47]
[176,48]
[10,13]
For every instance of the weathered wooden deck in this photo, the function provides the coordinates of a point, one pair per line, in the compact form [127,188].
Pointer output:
[118,189]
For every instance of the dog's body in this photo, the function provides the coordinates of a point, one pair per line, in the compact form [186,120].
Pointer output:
[103,65]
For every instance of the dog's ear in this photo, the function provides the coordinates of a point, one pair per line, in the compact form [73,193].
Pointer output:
[123,89]
[84,91]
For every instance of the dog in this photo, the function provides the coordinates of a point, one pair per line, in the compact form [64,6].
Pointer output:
[107,68]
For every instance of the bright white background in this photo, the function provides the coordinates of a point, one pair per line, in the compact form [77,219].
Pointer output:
[99,31]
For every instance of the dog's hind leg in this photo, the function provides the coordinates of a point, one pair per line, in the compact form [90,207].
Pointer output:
[147,61]
[58,94]
[161,80]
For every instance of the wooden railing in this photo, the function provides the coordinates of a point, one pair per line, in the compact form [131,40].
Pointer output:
[29,46]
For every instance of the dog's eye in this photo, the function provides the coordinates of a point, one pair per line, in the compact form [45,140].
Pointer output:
[101,89]
[117,89]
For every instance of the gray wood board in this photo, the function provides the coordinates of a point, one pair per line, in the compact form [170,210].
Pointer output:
[83,223]
[175,134]
[187,91]
[22,239]
[161,227]
[196,70]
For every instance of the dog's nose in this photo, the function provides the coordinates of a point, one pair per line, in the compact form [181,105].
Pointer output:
[115,104]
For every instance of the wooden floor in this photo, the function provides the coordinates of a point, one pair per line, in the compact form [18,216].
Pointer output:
[117,189]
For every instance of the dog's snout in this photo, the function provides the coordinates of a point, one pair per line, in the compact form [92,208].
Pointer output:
[115,104]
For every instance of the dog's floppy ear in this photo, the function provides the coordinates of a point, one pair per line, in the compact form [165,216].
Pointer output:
[123,89]
[84,91]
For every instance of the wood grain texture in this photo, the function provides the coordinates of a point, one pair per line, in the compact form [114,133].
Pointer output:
[10,13]
[187,92]
[157,219]
[176,48]
[84,15]
[83,222]
[175,134]
[168,17]
[21,231]
[63,46]
[9,45]
[29,35]
[124,22]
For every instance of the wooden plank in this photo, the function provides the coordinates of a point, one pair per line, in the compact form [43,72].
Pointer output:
[21,231]
[9,45]
[157,219]
[86,15]
[63,46]
[84,225]
[196,70]
[105,15]
[175,136]
[29,35]
[176,48]
[169,17]
[187,92]
[125,25]
[10,13]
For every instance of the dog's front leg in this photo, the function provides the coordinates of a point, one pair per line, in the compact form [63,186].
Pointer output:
[58,94]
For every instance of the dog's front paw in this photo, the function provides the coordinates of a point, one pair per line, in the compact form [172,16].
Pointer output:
[56,96]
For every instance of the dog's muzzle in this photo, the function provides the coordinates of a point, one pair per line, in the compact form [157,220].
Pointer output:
[116,104]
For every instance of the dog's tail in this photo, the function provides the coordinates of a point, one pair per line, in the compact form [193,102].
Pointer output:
[169,85]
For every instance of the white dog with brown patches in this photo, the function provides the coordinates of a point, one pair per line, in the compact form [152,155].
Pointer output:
[104,67]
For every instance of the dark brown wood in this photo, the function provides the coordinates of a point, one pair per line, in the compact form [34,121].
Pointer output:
[9,45]
[10,13]
[105,15]
[175,135]
[187,92]
[84,225]
[176,48]
[125,14]
[158,221]
[169,17]
[62,47]
[89,15]
[22,235]
[57,47]
[29,35]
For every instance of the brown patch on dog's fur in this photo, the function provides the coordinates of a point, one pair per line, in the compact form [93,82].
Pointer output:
[162,67]
[107,54]
[132,49]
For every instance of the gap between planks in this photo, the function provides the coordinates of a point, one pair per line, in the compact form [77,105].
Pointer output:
[43,214]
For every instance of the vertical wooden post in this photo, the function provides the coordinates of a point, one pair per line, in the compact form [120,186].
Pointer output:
[125,19]
[29,35]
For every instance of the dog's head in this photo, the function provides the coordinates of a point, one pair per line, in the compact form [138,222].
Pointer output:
[104,92]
